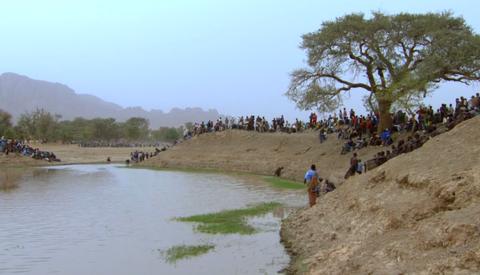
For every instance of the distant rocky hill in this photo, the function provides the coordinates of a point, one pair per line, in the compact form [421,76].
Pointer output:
[19,94]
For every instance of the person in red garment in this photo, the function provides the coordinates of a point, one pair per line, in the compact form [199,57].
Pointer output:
[311,178]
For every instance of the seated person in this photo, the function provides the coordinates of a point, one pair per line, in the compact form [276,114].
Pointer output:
[348,146]
[329,186]
[375,140]
[386,137]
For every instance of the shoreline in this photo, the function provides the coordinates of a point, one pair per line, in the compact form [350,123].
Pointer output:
[260,153]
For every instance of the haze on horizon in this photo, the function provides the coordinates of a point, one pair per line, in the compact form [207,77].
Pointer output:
[233,56]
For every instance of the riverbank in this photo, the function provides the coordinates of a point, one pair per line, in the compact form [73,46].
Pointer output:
[140,208]
[72,154]
[418,213]
[260,153]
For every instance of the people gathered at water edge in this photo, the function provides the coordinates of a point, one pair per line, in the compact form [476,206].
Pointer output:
[316,185]
[21,148]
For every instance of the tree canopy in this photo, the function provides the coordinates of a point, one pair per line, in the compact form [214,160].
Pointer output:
[5,123]
[392,57]
[44,126]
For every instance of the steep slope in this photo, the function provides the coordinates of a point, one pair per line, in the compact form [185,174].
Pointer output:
[418,213]
[260,153]
[20,94]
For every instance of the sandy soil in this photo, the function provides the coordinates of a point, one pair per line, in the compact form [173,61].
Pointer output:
[72,154]
[417,214]
[261,153]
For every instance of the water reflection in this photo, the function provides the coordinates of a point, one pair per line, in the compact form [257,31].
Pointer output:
[107,220]
[10,179]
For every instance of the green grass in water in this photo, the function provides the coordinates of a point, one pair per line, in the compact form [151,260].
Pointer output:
[283,183]
[181,252]
[230,221]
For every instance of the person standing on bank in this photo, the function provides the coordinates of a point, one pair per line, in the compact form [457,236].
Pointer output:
[311,178]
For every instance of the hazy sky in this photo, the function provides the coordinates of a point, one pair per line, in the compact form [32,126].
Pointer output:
[234,56]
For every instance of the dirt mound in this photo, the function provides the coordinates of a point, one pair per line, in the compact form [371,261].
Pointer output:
[260,153]
[418,213]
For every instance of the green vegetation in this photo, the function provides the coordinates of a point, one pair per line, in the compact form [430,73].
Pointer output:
[44,126]
[230,221]
[283,183]
[167,134]
[181,252]
[402,58]
[5,123]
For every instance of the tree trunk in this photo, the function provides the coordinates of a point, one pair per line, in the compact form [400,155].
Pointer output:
[384,113]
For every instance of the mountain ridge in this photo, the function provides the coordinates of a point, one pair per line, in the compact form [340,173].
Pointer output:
[20,94]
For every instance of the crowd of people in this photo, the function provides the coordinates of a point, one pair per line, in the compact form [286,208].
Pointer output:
[96,144]
[18,147]
[139,156]
[361,131]
[417,130]
[248,123]
[358,130]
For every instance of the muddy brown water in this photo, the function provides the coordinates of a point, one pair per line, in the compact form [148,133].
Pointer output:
[105,219]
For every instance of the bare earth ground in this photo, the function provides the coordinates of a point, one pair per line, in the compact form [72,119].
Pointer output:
[260,153]
[417,214]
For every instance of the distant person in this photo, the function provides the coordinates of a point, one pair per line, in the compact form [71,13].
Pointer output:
[311,178]
[353,166]
[329,186]
[322,135]
[278,172]
[386,137]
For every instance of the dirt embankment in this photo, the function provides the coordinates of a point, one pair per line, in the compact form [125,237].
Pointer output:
[260,153]
[419,213]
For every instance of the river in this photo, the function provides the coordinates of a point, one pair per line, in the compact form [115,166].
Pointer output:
[107,219]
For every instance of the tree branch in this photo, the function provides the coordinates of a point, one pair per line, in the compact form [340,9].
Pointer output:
[345,82]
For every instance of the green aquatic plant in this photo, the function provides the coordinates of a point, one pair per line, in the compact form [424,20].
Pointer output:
[180,252]
[283,183]
[230,221]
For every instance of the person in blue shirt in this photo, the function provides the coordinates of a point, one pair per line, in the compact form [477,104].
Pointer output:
[386,137]
[310,173]
[311,178]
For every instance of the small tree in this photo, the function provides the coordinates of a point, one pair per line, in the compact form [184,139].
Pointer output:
[39,124]
[393,58]
[169,134]
[136,128]
[5,123]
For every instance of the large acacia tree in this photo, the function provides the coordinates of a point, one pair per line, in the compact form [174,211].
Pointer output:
[392,57]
